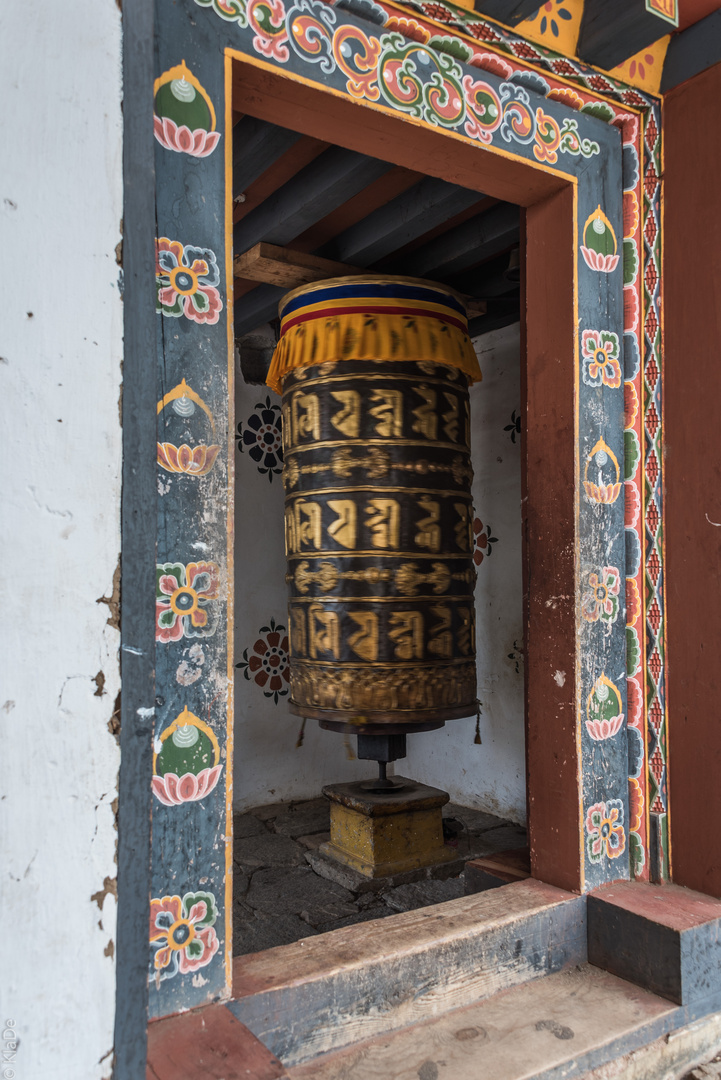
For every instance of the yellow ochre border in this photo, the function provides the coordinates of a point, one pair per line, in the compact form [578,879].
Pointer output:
[230,556]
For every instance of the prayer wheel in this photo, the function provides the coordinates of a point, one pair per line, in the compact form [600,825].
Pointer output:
[374,375]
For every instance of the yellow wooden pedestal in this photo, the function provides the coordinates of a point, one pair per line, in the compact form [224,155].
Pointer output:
[381,833]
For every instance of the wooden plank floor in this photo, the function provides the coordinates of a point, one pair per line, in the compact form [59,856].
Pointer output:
[555,1027]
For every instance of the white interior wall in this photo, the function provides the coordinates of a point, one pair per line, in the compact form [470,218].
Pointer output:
[491,776]
[268,766]
[60,372]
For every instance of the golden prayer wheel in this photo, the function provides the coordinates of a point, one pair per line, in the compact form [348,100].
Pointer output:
[374,374]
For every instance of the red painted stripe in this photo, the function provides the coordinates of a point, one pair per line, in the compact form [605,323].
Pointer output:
[365,310]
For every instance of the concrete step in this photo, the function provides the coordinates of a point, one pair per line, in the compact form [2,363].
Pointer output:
[561,1026]
[335,989]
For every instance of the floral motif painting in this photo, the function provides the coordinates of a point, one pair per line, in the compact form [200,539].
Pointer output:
[600,595]
[483,541]
[186,761]
[184,600]
[183,114]
[186,282]
[182,937]
[266,663]
[604,710]
[600,352]
[262,435]
[604,830]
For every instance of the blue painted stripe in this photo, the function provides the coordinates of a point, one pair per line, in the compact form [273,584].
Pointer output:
[371,291]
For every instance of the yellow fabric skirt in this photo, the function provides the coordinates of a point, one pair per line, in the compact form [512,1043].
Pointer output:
[372,318]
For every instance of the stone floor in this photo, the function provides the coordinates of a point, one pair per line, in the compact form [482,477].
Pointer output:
[283,889]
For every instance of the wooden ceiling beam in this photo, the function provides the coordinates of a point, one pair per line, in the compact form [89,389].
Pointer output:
[330,180]
[613,30]
[423,207]
[464,246]
[256,146]
[692,51]
[506,11]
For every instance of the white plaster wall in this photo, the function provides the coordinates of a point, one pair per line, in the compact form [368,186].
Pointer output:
[268,766]
[492,776]
[60,371]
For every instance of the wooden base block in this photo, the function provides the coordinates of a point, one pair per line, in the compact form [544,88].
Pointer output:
[381,834]
[662,937]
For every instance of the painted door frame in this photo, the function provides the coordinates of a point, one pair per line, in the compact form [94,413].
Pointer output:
[560,145]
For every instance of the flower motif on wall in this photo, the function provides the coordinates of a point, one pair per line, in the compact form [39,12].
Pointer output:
[483,541]
[599,247]
[600,350]
[604,830]
[267,662]
[600,596]
[262,433]
[186,760]
[184,596]
[181,933]
[186,281]
[514,427]
[183,114]
[602,474]
[550,13]
[195,461]
[604,715]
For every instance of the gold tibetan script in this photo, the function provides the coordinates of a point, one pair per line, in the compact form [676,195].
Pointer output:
[426,421]
[383,517]
[323,632]
[388,412]
[429,529]
[297,631]
[306,417]
[407,634]
[364,642]
[463,528]
[347,419]
[343,529]
[450,418]
[441,641]
[307,524]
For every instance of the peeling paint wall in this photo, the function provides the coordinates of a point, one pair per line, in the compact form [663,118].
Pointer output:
[60,375]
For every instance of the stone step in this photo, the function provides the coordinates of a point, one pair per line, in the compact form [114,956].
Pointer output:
[561,1026]
[339,988]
